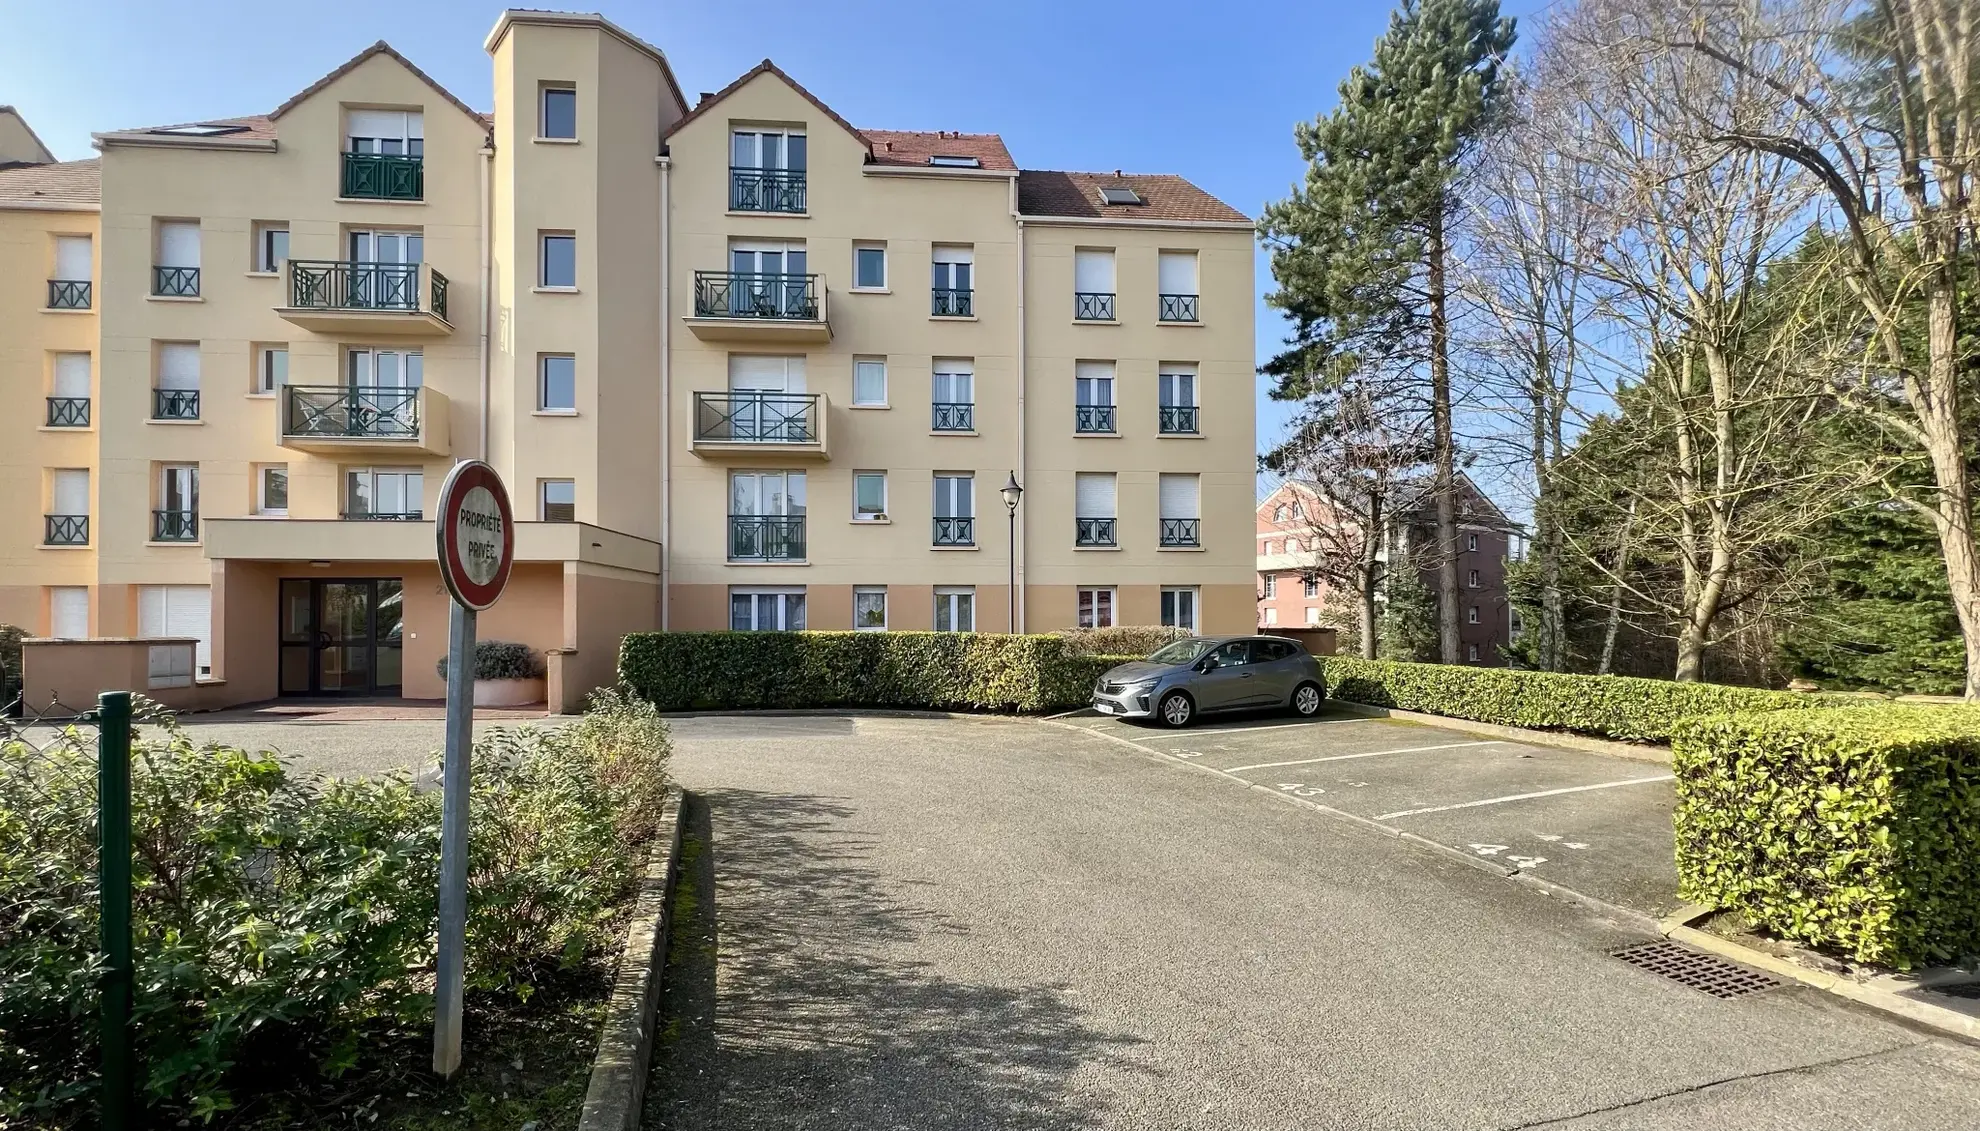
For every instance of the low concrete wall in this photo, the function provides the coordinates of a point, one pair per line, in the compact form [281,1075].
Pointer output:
[68,675]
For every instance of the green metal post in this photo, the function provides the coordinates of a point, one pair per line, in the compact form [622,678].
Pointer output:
[113,873]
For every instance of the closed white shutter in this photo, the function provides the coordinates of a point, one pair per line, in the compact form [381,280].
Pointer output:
[387,124]
[1093,494]
[69,491]
[1176,273]
[1178,496]
[178,610]
[951,253]
[72,375]
[178,245]
[68,612]
[1093,271]
[72,258]
[766,374]
[1094,369]
[178,365]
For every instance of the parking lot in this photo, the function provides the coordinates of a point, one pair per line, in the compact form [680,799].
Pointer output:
[1599,825]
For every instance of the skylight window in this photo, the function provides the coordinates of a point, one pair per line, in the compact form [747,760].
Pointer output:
[1119,194]
[955,161]
[201,130]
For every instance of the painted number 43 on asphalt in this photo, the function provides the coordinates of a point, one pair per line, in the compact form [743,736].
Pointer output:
[1301,789]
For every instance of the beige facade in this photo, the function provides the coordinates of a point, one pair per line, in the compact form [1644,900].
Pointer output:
[701,345]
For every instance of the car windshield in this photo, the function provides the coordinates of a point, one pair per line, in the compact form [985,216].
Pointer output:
[1182,651]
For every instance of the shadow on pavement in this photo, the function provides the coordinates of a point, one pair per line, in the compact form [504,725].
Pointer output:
[802,1003]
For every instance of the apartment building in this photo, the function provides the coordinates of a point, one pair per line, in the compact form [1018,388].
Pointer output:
[742,364]
[1291,593]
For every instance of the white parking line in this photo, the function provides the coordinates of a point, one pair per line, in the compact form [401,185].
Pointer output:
[1241,730]
[1370,754]
[1523,797]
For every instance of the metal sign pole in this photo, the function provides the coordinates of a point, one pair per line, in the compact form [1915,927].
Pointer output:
[454,841]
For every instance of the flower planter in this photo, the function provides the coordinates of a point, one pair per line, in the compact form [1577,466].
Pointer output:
[508,692]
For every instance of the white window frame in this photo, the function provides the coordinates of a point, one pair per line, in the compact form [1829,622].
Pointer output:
[1310,587]
[1471,615]
[188,243]
[1471,653]
[869,364]
[881,514]
[543,93]
[371,475]
[1171,595]
[265,261]
[967,495]
[782,607]
[1087,614]
[1093,265]
[1312,616]
[1167,256]
[757,134]
[543,404]
[952,256]
[1271,585]
[58,595]
[267,382]
[1471,541]
[956,601]
[410,136]
[543,238]
[190,473]
[65,268]
[870,245]
[1471,579]
[543,503]
[261,471]
[63,377]
[1271,616]
[879,591]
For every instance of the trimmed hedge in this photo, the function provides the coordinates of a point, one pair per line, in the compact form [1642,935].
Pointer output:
[679,671]
[1857,829]
[1610,706]
[1119,639]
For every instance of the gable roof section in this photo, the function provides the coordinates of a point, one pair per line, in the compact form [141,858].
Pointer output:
[379,48]
[1166,197]
[47,155]
[61,186]
[543,17]
[914,148]
[766,67]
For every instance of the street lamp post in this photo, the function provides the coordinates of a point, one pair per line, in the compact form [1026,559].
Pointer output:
[1012,493]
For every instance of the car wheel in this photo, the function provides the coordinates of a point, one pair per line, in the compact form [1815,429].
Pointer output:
[1306,700]
[1176,709]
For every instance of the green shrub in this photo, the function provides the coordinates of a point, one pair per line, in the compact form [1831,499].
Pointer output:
[1119,640]
[679,671]
[500,659]
[1857,829]
[1611,706]
[10,663]
[281,920]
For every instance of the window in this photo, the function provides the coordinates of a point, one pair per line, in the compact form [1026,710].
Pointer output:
[1096,608]
[557,500]
[175,270]
[869,267]
[556,382]
[1179,607]
[178,488]
[72,259]
[181,611]
[67,516]
[1471,652]
[1119,194]
[1093,396]
[1312,587]
[559,260]
[271,368]
[766,516]
[1471,541]
[1177,497]
[1093,509]
[391,133]
[1312,615]
[955,509]
[271,489]
[955,161]
[1093,284]
[1175,385]
[1271,585]
[952,293]
[955,610]
[1271,616]
[177,393]
[559,112]
[766,171]
[952,393]
[271,246]
[1471,615]
[870,381]
[384,493]
[766,610]
[1471,579]
[68,392]
[768,149]
[870,609]
[869,496]
[68,612]
[1176,287]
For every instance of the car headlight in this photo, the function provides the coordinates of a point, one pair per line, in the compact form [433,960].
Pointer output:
[1141,687]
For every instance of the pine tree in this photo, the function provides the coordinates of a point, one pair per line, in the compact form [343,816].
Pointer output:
[1359,250]
[1409,616]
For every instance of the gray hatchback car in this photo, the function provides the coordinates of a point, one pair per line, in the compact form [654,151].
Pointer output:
[1202,675]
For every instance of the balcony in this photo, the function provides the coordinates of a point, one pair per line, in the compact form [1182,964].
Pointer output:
[331,296]
[773,309]
[746,423]
[955,531]
[349,515]
[175,404]
[175,526]
[952,302]
[175,282]
[69,294]
[1178,420]
[1093,306]
[364,420]
[766,190]
[954,416]
[383,176]
[1177,308]
[1182,532]
[68,412]
[65,530]
[1094,531]
[766,538]
[1093,419]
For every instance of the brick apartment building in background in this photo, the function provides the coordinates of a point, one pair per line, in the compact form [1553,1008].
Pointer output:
[1290,594]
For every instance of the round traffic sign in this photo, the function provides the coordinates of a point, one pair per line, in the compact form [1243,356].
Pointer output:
[476,532]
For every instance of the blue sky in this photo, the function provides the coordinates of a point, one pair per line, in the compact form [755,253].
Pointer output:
[1201,89]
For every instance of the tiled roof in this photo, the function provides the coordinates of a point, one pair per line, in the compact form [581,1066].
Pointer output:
[65,182]
[1043,192]
[915,147]
[379,48]
[763,68]
[254,127]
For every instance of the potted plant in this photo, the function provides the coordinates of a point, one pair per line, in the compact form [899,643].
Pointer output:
[506,674]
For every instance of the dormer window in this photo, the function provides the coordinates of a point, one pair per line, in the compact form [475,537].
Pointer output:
[384,155]
[955,161]
[391,133]
[1119,194]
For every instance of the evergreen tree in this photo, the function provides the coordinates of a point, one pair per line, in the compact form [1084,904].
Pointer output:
[1409,616]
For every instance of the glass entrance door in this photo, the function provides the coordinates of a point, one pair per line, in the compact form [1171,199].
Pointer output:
[342,636]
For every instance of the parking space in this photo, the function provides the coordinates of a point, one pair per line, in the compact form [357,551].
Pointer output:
[1596,824]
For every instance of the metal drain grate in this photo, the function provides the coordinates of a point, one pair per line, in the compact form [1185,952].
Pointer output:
[1700,971]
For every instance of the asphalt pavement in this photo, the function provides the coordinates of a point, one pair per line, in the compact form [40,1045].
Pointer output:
[968,924]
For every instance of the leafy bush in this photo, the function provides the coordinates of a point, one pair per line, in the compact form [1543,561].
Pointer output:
[1119,640]
[10,663]
[1857,829]
[281,919]
[938,670]
[501,659]
[1621,707]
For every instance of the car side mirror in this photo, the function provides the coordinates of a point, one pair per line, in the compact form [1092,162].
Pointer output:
[1205,664]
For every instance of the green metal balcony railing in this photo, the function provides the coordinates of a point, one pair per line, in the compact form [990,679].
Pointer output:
[69,294]
[1093,418]
[175,526]
[175,404]
[354,412]
[1094,531]
[952,302]
[953,416]
[66,530]
[952,531]
[175,282]
[1182,532]
[766,190]
[334,284]
[1178,420]
[745,294]
[383,176]
[68,412]
[1093,306]
[766,538]
[756,418]
[1178,308]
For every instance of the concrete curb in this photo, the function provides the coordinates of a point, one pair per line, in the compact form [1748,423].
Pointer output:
[1661,755]
[625,1041]
[1886,994]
